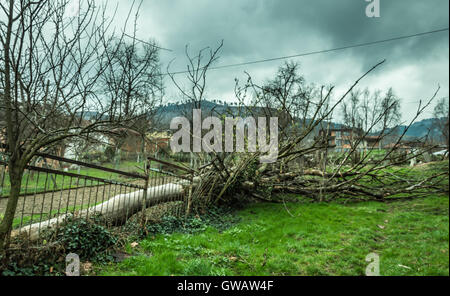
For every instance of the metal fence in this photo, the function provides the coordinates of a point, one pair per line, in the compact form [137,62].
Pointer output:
[53,186]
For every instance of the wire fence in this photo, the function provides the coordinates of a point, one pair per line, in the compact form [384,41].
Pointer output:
[51,192]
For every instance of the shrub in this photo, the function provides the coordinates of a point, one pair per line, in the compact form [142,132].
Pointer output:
[96,157]
[85,238]
[110,153]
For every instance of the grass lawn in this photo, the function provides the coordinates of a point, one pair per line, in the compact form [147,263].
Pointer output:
[39,182]
[410,237]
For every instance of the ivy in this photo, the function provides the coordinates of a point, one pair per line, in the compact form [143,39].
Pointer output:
[87,239]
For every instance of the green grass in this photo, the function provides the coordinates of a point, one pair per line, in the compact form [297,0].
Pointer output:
[28,219]
[40,182]
[317,239]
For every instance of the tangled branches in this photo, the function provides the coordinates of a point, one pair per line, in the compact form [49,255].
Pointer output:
[308,163]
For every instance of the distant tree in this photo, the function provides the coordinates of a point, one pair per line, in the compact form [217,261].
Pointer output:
[389,110]
[288,97]
[133,84]
[371,112]
[441,118]
[193,96]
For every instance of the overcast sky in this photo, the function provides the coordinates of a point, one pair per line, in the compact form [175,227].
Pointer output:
[259,29]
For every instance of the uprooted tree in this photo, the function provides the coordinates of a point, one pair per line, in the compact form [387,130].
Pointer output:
[303,111]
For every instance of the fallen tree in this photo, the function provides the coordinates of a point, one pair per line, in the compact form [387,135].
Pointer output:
[116,210]
[305,115]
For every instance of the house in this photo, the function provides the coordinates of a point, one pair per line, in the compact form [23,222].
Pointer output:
[373,142]
[158,141]
[2,126]
[132,142]
[407,146]
[341,138]
[397,146]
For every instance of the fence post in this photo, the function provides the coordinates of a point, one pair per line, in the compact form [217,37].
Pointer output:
[144,201]
[188,207]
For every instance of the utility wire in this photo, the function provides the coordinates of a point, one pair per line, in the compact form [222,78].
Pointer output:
[142,41]
[318,52]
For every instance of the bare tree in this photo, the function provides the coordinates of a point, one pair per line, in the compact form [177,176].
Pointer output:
[193,95]
[133,83]
[51,66]
[365,114]
[390,110]
[288,97]
[362,178]
[198,66]
[441,116]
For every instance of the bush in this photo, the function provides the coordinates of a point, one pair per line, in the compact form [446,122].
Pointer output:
[90,241]
[95,157]
[87,239]
[110,153]
[28,260]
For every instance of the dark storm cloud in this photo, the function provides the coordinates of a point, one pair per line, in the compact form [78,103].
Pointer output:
[345,23]
[257,29]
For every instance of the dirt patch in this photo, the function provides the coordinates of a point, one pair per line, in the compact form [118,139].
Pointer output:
[42,206]
[62,201]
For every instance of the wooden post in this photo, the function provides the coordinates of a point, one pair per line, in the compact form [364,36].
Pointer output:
[144,200]
[189,201]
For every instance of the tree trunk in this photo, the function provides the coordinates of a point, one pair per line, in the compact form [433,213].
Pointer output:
[15,177]
[116,210]
[143,147]
[117,159]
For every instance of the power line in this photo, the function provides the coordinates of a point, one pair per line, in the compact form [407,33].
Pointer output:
[145,42]
[318,51]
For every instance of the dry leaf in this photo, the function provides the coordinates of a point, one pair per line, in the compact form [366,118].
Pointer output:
[134,244]
[87,266]
[404,266]
[381,226]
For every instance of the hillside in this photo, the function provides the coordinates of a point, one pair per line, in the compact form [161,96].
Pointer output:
[165,114]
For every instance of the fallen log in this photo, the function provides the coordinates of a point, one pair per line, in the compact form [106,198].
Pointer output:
[115,210]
